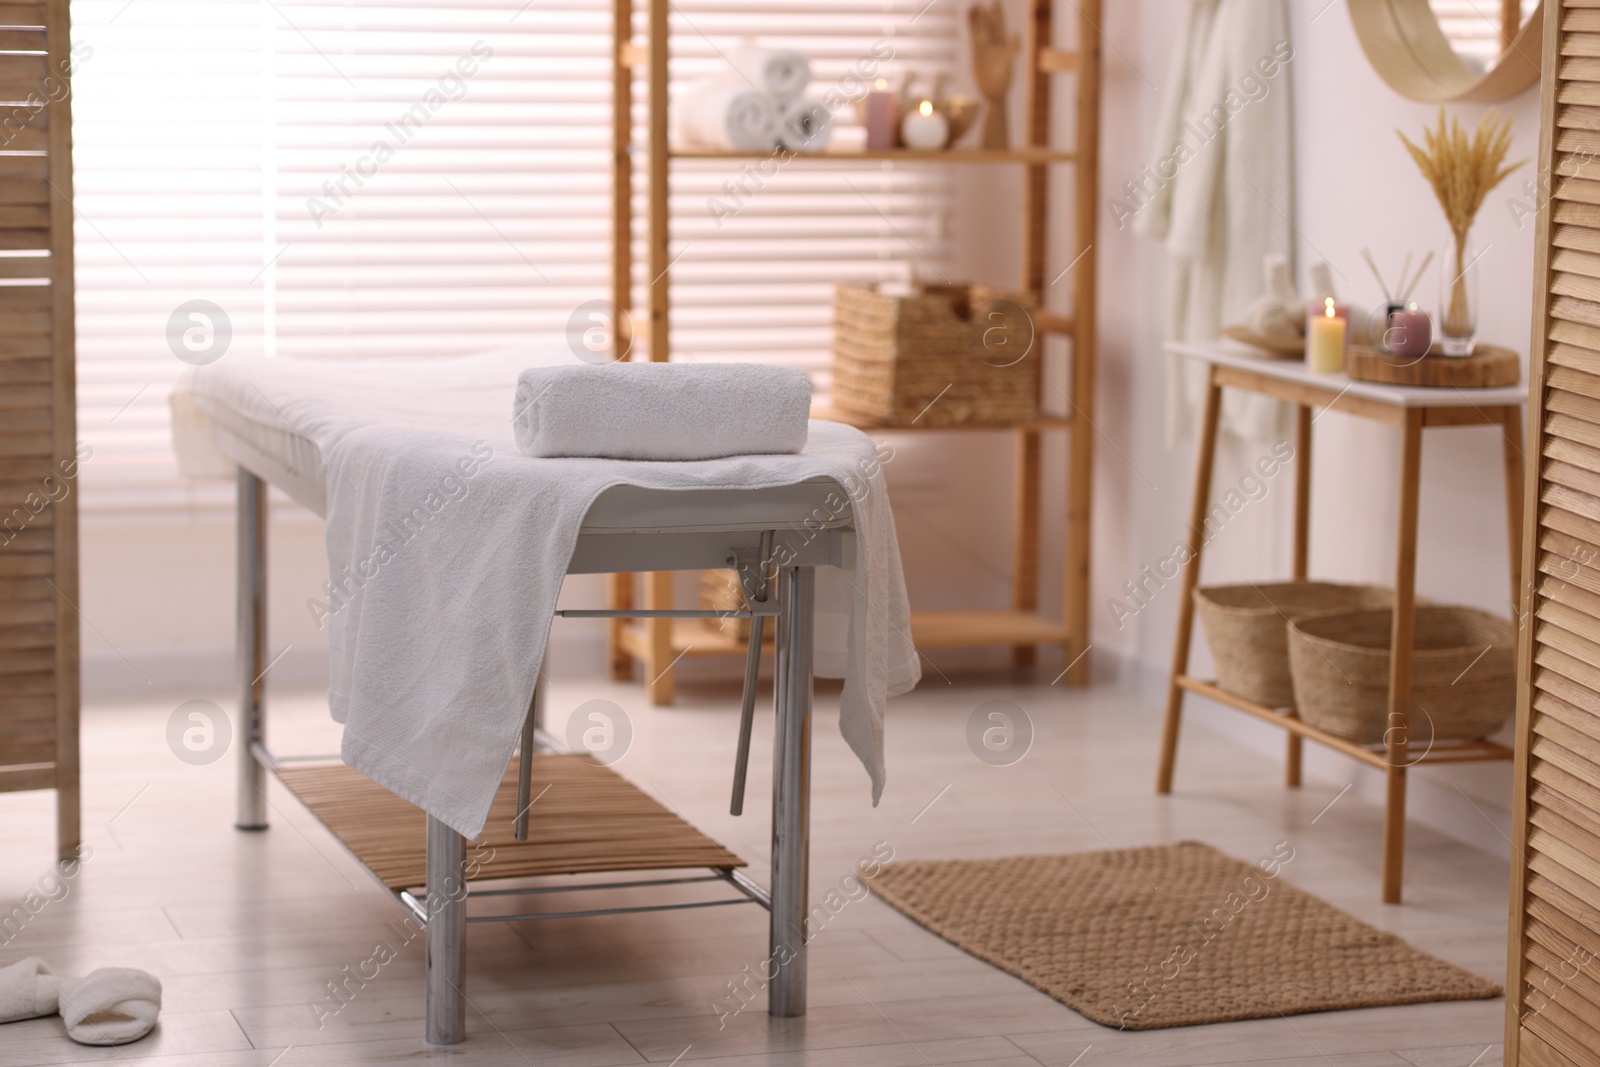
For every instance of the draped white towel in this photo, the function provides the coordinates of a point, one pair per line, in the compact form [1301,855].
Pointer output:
[449,548]
[724,113]
[661,411]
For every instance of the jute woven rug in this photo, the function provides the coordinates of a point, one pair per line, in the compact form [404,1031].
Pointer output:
[1175,935]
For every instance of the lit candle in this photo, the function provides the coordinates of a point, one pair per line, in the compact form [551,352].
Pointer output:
[925,128]
[883,117]
[1325,336]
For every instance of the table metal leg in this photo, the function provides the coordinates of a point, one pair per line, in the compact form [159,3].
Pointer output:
[1205,458]
[446,1006]
[791,793]
[531,725]
[252,649]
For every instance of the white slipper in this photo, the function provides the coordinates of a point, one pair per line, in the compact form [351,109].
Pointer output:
[24,991]
[111,1006]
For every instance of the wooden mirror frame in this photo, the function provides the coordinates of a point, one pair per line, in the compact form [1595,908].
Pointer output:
[1405,45]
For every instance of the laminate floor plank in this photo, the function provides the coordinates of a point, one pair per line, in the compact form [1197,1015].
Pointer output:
[249,932]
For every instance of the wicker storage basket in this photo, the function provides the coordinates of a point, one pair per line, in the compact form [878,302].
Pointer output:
[1246,626]
[970,347]
[1463,674]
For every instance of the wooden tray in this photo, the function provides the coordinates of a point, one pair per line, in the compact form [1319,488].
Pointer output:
[1486,368]
[1276,347]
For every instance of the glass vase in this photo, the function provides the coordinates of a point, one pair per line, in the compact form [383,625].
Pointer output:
[1457,322]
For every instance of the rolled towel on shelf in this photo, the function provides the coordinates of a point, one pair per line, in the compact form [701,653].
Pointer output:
[661,411]
[111,1006]
[782,73]
[716,113]
[804,126]
[25,992]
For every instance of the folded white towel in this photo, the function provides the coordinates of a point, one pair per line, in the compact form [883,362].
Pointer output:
[725,113]
[25,992]
[111,1006]
[661,411]
[804,125]
[781,72]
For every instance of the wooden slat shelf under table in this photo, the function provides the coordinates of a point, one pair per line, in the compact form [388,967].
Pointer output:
[1230,365]
[1372,755]
[585,818]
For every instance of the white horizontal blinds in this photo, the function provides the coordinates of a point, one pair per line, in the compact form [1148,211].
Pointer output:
[357,179]
[441,173]
[760,285]
[167,106]
[1473,27]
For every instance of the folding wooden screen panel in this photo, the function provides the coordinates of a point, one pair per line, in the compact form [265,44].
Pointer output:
[38,451]
[1553,986]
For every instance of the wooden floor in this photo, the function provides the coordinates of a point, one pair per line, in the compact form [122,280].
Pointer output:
[249,932]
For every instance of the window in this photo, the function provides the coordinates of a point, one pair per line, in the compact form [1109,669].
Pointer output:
[366,179]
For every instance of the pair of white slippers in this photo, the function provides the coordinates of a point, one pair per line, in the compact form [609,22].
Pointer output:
[111,1006]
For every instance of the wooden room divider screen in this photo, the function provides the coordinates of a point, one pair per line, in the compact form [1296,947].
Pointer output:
[38,423]
[1553,985]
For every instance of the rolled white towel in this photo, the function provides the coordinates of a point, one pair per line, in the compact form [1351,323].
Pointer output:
[804,125]
[111,1006]
[661,411]
[717,113]
[25,992]
[781,72]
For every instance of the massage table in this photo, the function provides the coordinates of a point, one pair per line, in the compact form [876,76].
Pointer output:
[627,529]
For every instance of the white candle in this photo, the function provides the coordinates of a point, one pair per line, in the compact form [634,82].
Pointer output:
[1325,341]
[925,128]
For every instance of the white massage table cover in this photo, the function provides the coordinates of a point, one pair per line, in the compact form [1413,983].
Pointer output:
[455,546]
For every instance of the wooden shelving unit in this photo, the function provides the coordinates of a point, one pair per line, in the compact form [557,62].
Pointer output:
[657,644]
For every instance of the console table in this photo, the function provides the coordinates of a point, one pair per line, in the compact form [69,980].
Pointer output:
[1236,366]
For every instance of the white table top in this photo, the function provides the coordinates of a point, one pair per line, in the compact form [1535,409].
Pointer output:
[1225,353]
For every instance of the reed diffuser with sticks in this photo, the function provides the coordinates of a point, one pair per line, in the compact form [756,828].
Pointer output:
[1461,172]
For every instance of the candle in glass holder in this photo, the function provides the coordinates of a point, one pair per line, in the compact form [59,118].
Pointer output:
[883,117]
[925,128]
[1325,339]
[1410,332]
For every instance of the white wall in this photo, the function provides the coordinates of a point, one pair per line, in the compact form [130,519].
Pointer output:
[1356,187]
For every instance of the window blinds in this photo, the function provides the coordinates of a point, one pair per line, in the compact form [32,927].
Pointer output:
[366,179]
[1473,27]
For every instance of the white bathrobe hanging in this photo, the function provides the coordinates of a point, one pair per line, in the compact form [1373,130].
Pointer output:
[1220,188]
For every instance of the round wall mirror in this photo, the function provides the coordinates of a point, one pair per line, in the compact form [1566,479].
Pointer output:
[1443,51]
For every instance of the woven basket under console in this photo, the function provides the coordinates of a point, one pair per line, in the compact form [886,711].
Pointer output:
[943,356]
[1247,629]
[1463,674]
